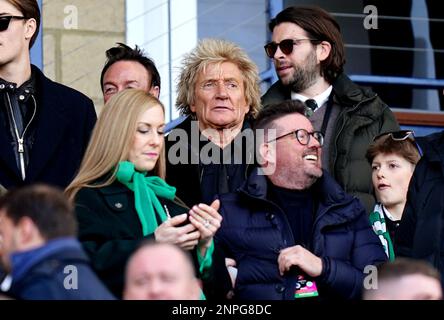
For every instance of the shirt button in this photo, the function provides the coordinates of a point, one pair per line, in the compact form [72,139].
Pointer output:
[21,97]
[118,205]
[2,86]
[27,91]
[280,288]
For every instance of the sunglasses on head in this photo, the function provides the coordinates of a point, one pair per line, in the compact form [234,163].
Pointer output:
[401,136]
[397,135]
[5,20]
[285,45]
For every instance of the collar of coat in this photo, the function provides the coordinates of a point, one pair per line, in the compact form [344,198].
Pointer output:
[23,261]
[330,198]
[347,94]
[186,126]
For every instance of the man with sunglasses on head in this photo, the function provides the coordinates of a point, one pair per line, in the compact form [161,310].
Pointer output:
[309,56]
[421,232]
[291,230]
[44,126]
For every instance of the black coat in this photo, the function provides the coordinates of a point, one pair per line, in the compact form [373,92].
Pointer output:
[110,231]
[65,120]
[254,230]
[420,234]
[187,176]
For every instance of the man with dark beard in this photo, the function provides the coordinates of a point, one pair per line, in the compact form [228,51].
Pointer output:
[309,56]
[291,230]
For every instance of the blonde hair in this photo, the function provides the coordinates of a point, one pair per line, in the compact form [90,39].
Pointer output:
[112,139]
[216,51]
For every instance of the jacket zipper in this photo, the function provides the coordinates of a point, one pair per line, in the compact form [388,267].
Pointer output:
[342,128]
[20,140]
[277,209]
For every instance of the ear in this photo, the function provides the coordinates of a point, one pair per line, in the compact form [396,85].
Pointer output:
[267,152]
[155,91]
[323,50]
[247,109]
[26,230]
[30,28]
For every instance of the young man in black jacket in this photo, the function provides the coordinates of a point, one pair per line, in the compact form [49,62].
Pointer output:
[44,126]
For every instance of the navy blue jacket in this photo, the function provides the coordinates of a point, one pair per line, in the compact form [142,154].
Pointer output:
[254,230]
[65,120]
[420,234]
[47,273]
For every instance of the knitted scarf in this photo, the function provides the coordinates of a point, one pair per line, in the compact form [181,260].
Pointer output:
[377,220]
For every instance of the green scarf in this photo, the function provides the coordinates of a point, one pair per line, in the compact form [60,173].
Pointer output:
[146,190]
[377,220]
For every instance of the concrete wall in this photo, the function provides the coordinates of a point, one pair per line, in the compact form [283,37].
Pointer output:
[76,34]
[243,22]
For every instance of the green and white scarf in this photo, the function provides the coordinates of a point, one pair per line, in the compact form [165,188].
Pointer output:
[377,220]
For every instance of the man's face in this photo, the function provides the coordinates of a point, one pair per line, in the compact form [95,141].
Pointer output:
[301,68]
[160,273]
[14,41]
[220,97]
[8,239]
[124,75]
[297,166]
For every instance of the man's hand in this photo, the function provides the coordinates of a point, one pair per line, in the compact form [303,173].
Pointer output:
[301,257]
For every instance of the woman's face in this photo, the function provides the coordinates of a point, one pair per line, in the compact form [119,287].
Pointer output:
[391,175]
[148,139]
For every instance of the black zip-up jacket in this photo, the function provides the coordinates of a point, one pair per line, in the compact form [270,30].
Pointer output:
[61,133]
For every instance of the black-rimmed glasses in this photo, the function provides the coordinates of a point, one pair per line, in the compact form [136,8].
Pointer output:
[5,20]
[303,136]
[285,45]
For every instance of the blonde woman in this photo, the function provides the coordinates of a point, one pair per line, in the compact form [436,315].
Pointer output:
[121,197]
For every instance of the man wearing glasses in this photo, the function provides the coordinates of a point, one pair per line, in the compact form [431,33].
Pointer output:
[44,126]
[291,229]
[309,56]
